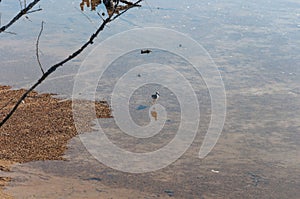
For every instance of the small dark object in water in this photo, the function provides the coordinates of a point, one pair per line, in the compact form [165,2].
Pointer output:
[139,75]
[147,51]
[155,96]
[169,192]
[256,178]
[95,179]
[180,45]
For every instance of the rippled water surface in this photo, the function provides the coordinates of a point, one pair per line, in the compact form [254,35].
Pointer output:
[255,46]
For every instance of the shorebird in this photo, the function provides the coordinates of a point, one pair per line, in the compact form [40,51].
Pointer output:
[155,96]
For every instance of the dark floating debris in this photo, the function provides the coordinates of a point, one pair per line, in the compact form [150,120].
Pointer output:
[169,192]
[94,179]
[139,75]
[147,51]
[255,178]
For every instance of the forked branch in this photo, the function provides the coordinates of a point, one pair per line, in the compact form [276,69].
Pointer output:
[70,57]
[19,15]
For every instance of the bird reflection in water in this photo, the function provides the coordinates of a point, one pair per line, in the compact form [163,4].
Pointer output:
[154,114]
[110,5]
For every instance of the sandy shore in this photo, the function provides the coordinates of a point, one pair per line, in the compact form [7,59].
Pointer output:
[4,166]
[39,129]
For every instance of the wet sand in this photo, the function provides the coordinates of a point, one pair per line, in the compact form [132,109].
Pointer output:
[254,157]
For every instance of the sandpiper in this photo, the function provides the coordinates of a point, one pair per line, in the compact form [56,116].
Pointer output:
[155,96]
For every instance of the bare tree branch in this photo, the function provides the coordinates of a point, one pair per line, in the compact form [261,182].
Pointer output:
[131,6]
[13,33]
[61,63]
[19,15]
[37,47]
[129,3]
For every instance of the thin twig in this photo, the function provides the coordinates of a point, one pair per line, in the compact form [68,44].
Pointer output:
[149,6]
[36,10]
[9,32]
[126,2]
[19,15]
[21,6]
[28,18]
[131,6]
[61,63]
[13,33]
[88,18]
[100,16]
[37,47]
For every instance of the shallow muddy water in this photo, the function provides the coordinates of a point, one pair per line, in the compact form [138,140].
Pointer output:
[255,46]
